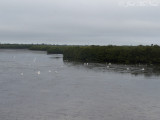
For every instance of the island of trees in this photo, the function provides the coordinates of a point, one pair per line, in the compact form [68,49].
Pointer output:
[101,54]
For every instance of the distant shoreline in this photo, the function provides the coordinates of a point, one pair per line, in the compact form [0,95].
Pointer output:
[100,54]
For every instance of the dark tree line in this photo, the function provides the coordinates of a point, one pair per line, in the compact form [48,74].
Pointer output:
[102,54]
[14,46]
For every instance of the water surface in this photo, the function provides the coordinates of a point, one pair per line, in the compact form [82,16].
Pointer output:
[37,86]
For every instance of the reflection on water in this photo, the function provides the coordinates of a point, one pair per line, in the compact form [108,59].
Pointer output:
[36,86]
[146,70]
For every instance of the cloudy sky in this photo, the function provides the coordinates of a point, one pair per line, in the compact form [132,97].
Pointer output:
[85,22]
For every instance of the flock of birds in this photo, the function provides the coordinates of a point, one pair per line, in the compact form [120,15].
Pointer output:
[110,64]
[85,64]
[38,72]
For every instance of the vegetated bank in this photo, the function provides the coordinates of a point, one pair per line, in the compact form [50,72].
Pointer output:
[101,54]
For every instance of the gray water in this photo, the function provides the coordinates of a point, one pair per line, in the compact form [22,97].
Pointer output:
[37,86]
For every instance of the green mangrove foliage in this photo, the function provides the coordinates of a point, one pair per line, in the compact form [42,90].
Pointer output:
[102,54]
[115,54]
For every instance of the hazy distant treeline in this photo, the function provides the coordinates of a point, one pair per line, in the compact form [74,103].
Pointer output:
[115,54]
[15,46]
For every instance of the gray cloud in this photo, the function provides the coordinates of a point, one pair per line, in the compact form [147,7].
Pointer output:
[78,22]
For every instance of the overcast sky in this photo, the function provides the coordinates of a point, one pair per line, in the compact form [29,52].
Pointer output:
[85,22]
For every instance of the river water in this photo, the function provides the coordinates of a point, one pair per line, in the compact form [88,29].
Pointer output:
[37,86]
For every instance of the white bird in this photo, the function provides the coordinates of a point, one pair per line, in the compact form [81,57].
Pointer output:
[109,64]
[38,72]
[87,63]
[22,74]
[127,68]
[49,71]
[142,69]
